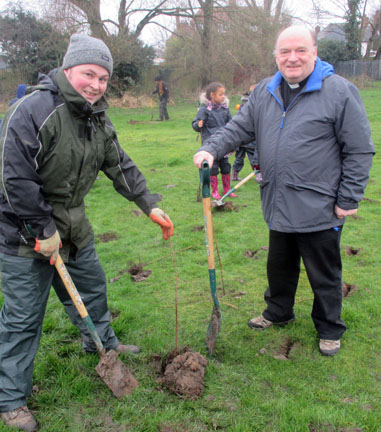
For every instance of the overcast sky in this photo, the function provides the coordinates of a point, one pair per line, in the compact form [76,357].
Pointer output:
[301,9]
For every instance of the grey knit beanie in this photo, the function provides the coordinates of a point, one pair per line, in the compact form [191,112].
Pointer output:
[84,49]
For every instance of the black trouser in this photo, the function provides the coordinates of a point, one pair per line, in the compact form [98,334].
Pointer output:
[250,150]
[222,165]
[163,109]
[320,252]
[26,283]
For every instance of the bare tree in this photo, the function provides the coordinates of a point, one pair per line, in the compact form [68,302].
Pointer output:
[224,40]
[375,37]
[131,18]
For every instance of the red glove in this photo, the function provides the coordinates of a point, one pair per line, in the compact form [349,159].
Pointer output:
[158,216]
[49,247]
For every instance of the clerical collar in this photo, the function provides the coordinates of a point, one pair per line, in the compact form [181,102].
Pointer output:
[298,85]
[293,86]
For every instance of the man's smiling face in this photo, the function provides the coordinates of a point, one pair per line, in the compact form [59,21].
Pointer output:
[295,54]
[89,80]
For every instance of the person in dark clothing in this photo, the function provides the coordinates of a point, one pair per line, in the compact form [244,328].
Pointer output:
[53,143]
[163,93]
[315,153]
[21,90]
[249,149]
[212,115]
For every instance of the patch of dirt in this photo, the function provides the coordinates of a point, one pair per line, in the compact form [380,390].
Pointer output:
[183,373]
[107,237]
[115,374]
[228,206]
[197,228]
[137,213]
[285,349]
[349,250]
[253,253]
[348,289]
[170,186]
[137,273]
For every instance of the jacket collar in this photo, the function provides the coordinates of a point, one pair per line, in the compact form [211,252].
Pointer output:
[321,71]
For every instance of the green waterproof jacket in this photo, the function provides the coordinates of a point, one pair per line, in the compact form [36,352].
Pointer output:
[53,144]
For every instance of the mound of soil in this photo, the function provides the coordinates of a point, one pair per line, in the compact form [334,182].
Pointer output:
[227,206]
[183,374]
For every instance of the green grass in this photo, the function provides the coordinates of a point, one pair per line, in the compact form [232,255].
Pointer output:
[246,388]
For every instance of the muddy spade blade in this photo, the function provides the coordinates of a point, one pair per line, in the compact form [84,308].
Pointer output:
[216,318]
[112,371]
[213,329]
[115,374]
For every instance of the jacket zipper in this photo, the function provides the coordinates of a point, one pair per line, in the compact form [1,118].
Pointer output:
[276,153]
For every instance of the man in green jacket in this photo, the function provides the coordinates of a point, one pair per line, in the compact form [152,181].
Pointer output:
[53,143]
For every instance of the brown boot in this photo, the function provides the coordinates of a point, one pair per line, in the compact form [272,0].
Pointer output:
[20,418]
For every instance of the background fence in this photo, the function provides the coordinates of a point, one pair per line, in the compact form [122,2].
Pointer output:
[371,68]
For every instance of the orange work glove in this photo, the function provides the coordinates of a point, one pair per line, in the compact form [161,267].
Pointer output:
[49,247]
[158,216]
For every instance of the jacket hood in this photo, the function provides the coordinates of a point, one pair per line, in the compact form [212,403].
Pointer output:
[21,91]
[321,71]
[204,101]
[45,82]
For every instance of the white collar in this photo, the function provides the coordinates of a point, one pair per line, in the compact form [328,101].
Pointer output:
[293,86]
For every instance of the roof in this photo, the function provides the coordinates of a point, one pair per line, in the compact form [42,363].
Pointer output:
[335,31]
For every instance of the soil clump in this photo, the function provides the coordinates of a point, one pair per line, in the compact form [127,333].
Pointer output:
[183,373]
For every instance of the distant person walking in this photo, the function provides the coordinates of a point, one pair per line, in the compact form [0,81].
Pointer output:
[163,93]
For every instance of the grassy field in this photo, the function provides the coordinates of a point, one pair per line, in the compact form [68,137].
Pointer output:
[248,386]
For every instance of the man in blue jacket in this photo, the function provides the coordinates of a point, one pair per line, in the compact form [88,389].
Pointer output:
[315,153]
